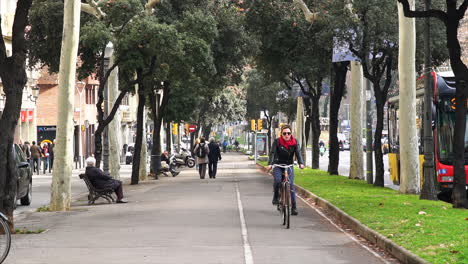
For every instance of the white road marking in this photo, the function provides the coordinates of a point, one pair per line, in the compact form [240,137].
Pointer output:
[245,238]
[346,233]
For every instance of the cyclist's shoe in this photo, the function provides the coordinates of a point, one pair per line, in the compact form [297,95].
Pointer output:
[275,201]
[294,211]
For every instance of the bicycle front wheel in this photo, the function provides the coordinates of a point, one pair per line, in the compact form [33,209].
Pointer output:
[287,205]
[5,239]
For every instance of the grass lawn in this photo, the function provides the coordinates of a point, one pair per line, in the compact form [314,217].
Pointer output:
[432,230]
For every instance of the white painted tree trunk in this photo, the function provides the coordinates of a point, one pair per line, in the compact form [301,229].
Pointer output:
[299,121]
[409,159]
[114,126]
[61,186]
[357,161]
[143,174]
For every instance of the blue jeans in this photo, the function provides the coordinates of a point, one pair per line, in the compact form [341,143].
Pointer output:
[278,176]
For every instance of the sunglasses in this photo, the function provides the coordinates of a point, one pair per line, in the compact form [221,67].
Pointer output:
[286,133]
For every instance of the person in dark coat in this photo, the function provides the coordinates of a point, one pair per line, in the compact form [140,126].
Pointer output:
[102,180]
[35,156]
[213,157]
[283,151]
[51,155]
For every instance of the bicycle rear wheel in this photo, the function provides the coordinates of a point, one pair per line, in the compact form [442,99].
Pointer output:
[5,239]
[287,205]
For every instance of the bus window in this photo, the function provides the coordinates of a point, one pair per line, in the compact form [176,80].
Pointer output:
[446,126]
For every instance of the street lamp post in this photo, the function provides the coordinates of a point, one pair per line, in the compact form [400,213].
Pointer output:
[428,190]
[369,149]
[80,86]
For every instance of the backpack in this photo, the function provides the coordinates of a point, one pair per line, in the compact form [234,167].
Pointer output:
[201,152]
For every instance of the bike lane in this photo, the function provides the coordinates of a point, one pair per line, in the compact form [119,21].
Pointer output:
[311,238]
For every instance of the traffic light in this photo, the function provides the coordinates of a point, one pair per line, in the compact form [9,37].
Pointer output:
[186,129]
[175,129]
[252,125]
[259,126]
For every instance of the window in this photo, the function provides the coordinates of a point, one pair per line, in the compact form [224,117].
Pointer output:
[446,126]
[90,95]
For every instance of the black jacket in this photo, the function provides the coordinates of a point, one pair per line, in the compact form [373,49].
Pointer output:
[100,179]
[215,152]
[281,155]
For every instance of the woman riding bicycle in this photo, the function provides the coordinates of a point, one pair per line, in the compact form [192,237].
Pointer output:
[283,151]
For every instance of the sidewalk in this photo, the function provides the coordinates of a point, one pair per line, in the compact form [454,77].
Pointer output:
[185,220]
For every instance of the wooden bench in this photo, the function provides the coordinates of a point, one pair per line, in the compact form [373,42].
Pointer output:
[95,193]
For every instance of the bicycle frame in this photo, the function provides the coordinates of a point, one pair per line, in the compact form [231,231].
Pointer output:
[284,205]
[5,237]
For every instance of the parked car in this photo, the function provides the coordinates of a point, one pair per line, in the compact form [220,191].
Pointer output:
[24,188]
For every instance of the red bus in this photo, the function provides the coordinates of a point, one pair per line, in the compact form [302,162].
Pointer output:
[443,118]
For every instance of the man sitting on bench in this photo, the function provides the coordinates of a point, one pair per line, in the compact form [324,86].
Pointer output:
[102,180]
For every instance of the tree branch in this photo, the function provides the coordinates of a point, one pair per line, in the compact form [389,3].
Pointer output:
[462,9]
[429,13]
[115,107]
[2,45]
[93,9]
[309,16]
[287,84]
[19,25]
[150,5]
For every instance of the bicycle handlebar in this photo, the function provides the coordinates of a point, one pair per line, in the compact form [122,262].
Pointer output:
[284,166]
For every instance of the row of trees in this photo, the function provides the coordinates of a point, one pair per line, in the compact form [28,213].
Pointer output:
[294,50]
[193,50]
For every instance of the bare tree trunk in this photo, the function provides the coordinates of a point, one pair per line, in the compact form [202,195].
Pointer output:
[144,152]
[357,160]
[336,94]
[300,122]
[139,135]
[409,151]
[156,149]
[114,126]
[207,131]
[61,186]
[378,155]
[168,137]
[315,127]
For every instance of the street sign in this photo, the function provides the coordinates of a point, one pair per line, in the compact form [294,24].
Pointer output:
[192,128]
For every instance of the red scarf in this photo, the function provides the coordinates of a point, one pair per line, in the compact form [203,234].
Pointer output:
[287,144]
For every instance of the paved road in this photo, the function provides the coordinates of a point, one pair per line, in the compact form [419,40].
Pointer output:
[343,167]
[229,219]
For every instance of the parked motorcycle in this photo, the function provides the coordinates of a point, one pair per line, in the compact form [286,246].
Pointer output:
[186,157]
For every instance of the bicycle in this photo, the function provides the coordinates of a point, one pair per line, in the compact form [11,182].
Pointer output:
[5,237]
[284,202]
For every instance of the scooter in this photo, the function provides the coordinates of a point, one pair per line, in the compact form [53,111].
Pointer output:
[186,157]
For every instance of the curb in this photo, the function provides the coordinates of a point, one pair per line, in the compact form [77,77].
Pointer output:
[386,244]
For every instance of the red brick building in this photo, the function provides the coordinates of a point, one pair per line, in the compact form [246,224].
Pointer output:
[84,116]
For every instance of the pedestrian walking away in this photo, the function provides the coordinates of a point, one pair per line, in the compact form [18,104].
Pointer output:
[283,151]
[202,151]
[213,157]
[45,156]
[35,156]
[102,180]
[51,155]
